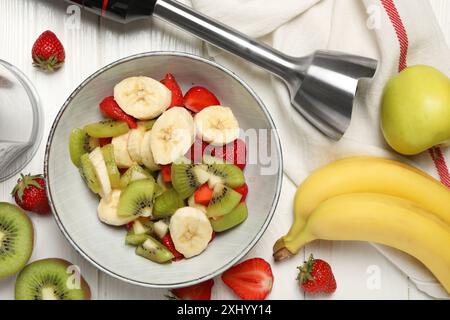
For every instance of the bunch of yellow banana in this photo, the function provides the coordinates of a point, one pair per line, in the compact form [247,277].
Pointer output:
[377,200]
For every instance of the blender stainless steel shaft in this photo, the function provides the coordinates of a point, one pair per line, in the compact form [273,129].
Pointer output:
[322,85]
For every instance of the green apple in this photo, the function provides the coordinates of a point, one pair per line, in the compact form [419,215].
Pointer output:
[415,110]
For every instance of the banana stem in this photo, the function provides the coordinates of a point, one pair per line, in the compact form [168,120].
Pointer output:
[284,249]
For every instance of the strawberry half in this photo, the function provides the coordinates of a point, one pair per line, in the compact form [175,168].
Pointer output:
[168,243]
[203,195]
[198,98]
[250,280]
[111,109]
[243,190]
[104,141]
[48,52]
[201,291]
[30,195]
[177,95]
[234,152]
[166,173]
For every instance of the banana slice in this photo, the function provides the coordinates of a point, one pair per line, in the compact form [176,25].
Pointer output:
[191,231]
[134,144]
[172,135]
[107,210]
[121,155]
[217,125]
[147,154]
[142,97]
[101,172]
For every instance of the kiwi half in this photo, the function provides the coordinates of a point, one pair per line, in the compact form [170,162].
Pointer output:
[111,167]
[223,201]
[80,143]
[137,199]
[88,173]
[166,204]
[230,220]
[107,129]
[50,279]
[230,174]
[133,239]
[134,173]
[187,177]
[16,239]
[155,251]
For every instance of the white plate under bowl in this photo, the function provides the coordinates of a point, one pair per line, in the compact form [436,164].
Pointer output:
[74,206]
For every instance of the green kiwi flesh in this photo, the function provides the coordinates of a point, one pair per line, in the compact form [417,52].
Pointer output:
[107,129]
[51,279]
[80,143]
[137,199]
[155,251]
[231,175]
[148,125]
[230,220]
[134,173]
[88,173]
[133,239]
[16,239]
[223,201]
[111,167]
[187,177]
[166,204]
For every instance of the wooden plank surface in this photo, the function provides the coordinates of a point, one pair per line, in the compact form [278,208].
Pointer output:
[96,44]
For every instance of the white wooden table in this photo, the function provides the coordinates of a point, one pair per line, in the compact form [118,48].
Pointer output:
[96,44]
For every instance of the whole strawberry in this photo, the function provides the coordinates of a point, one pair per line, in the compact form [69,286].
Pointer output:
[29,194]
[316,276]
[48,52]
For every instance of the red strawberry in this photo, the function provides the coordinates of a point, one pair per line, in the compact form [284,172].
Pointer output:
[250,280]
[234,152]
[198,98]
[48,52]
[29,194]
[166,173]
[111,109]
[104,141]
[203,195]
[242,190]
[316,276]
[168,243]
[201,291]
[129,225]
[177,95]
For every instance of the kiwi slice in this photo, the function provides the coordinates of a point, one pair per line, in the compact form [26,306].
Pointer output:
[133,239]
[148,125]
[166,204]
[134,173]
[143,225]
[223,201]
[107,129]
[137,199]
[88,173]
[51,279]
[155,251]
[187,177]
[230,220]
[80,143]
[111,167]
[230,174]
[16,239]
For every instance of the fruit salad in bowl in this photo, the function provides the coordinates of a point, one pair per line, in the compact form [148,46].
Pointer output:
[144,163]
[149,165]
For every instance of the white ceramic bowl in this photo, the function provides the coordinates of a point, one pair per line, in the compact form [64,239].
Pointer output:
[74,206]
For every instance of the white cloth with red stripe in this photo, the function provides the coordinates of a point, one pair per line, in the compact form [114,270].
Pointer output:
[298,27]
